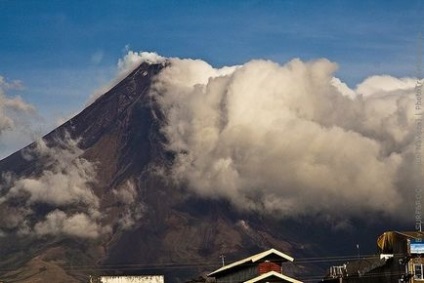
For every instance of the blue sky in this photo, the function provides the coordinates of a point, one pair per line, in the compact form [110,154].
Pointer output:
[63,51]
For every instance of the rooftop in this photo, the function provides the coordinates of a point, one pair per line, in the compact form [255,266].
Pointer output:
[253,259]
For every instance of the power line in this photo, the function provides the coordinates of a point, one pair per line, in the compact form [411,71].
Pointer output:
[172,266]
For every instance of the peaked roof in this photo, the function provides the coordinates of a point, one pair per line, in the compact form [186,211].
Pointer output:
[253,259]
[273,274]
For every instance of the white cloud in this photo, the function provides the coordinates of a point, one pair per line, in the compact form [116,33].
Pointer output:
[289,139]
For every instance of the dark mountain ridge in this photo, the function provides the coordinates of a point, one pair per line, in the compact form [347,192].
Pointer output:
[109,114]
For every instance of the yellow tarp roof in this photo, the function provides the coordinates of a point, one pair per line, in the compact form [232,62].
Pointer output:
[386,240]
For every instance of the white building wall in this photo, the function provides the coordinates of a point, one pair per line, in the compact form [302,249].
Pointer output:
[132,279]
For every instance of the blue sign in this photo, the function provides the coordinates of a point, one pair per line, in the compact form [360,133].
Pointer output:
[416,246]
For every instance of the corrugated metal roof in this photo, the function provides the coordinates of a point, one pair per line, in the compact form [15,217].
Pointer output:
[365,265]
[273,274]
[252,259]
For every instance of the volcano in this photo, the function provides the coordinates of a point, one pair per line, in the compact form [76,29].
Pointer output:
[92,197]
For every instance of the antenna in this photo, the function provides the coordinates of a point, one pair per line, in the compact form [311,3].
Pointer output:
[222,253]
[223,259]
[357,247]
[419,116]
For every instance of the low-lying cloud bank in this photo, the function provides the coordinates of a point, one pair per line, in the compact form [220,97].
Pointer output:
[57,199]
[60,194]
[290,139]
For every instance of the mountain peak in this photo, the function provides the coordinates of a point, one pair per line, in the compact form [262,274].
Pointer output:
[109,111]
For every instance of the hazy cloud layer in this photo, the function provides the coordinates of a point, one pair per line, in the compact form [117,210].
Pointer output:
[290,139]
[65,180]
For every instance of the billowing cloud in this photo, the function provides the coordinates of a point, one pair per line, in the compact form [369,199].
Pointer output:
[289,139]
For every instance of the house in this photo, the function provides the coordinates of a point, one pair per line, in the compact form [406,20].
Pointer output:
[399,261]
[259,268]
[408,248]
[127,279]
